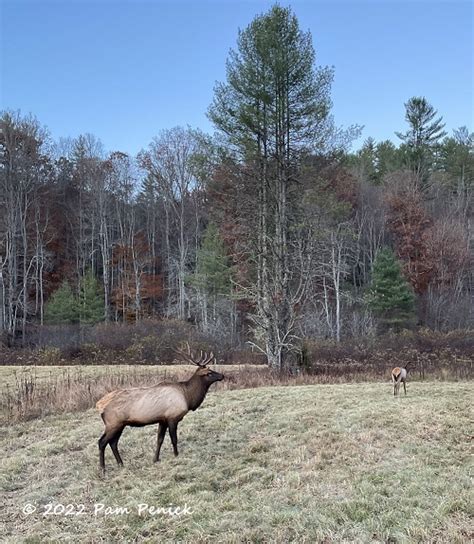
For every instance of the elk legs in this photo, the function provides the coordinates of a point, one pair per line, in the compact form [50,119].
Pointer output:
[173,427]
[161,436]
[113,442]
[110,437]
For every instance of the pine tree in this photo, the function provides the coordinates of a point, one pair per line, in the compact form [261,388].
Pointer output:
[271,112]
[389,159]
[390,297]
[368,160]
[62,307]
[457,159]
[213,274]
[91,302]
[212,270]
[423,135]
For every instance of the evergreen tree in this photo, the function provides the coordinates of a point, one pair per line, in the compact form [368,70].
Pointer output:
[62,307]
[212,277]
[272,111]
[423,135]
[374,160]
[91,302]
[390,297]
[457,159]
[212,270]
[389,159]
[368,160]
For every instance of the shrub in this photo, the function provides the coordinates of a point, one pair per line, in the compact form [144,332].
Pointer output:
[49,356]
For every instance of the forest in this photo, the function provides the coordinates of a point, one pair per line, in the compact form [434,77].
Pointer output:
[272,232]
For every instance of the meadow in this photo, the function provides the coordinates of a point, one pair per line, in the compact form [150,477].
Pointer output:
[309,463]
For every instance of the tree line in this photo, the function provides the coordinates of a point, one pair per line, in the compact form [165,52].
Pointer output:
[267,232]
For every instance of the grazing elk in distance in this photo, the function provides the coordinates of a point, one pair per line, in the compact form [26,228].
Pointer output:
[165,403]
[399,376]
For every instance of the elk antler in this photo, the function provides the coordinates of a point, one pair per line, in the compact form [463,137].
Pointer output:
[203,360]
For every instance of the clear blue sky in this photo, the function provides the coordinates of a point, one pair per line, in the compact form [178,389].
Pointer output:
[123,70]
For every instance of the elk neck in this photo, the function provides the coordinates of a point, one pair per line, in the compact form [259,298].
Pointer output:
[195,390]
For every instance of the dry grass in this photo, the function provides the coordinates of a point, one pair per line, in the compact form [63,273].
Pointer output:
[320,463]
[35,391]
[32,392]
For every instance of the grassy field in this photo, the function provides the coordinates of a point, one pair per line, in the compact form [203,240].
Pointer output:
[318,463]
[31,392]
[10,375]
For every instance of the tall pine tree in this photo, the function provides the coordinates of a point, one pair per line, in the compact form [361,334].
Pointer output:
[272,111]
[422,137]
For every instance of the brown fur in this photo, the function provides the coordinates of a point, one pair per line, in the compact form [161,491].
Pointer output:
[165,403]
[102,403]
[396,371]
[399,376]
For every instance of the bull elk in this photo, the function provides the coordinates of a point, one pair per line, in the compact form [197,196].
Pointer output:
[399,376]
[165,403]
